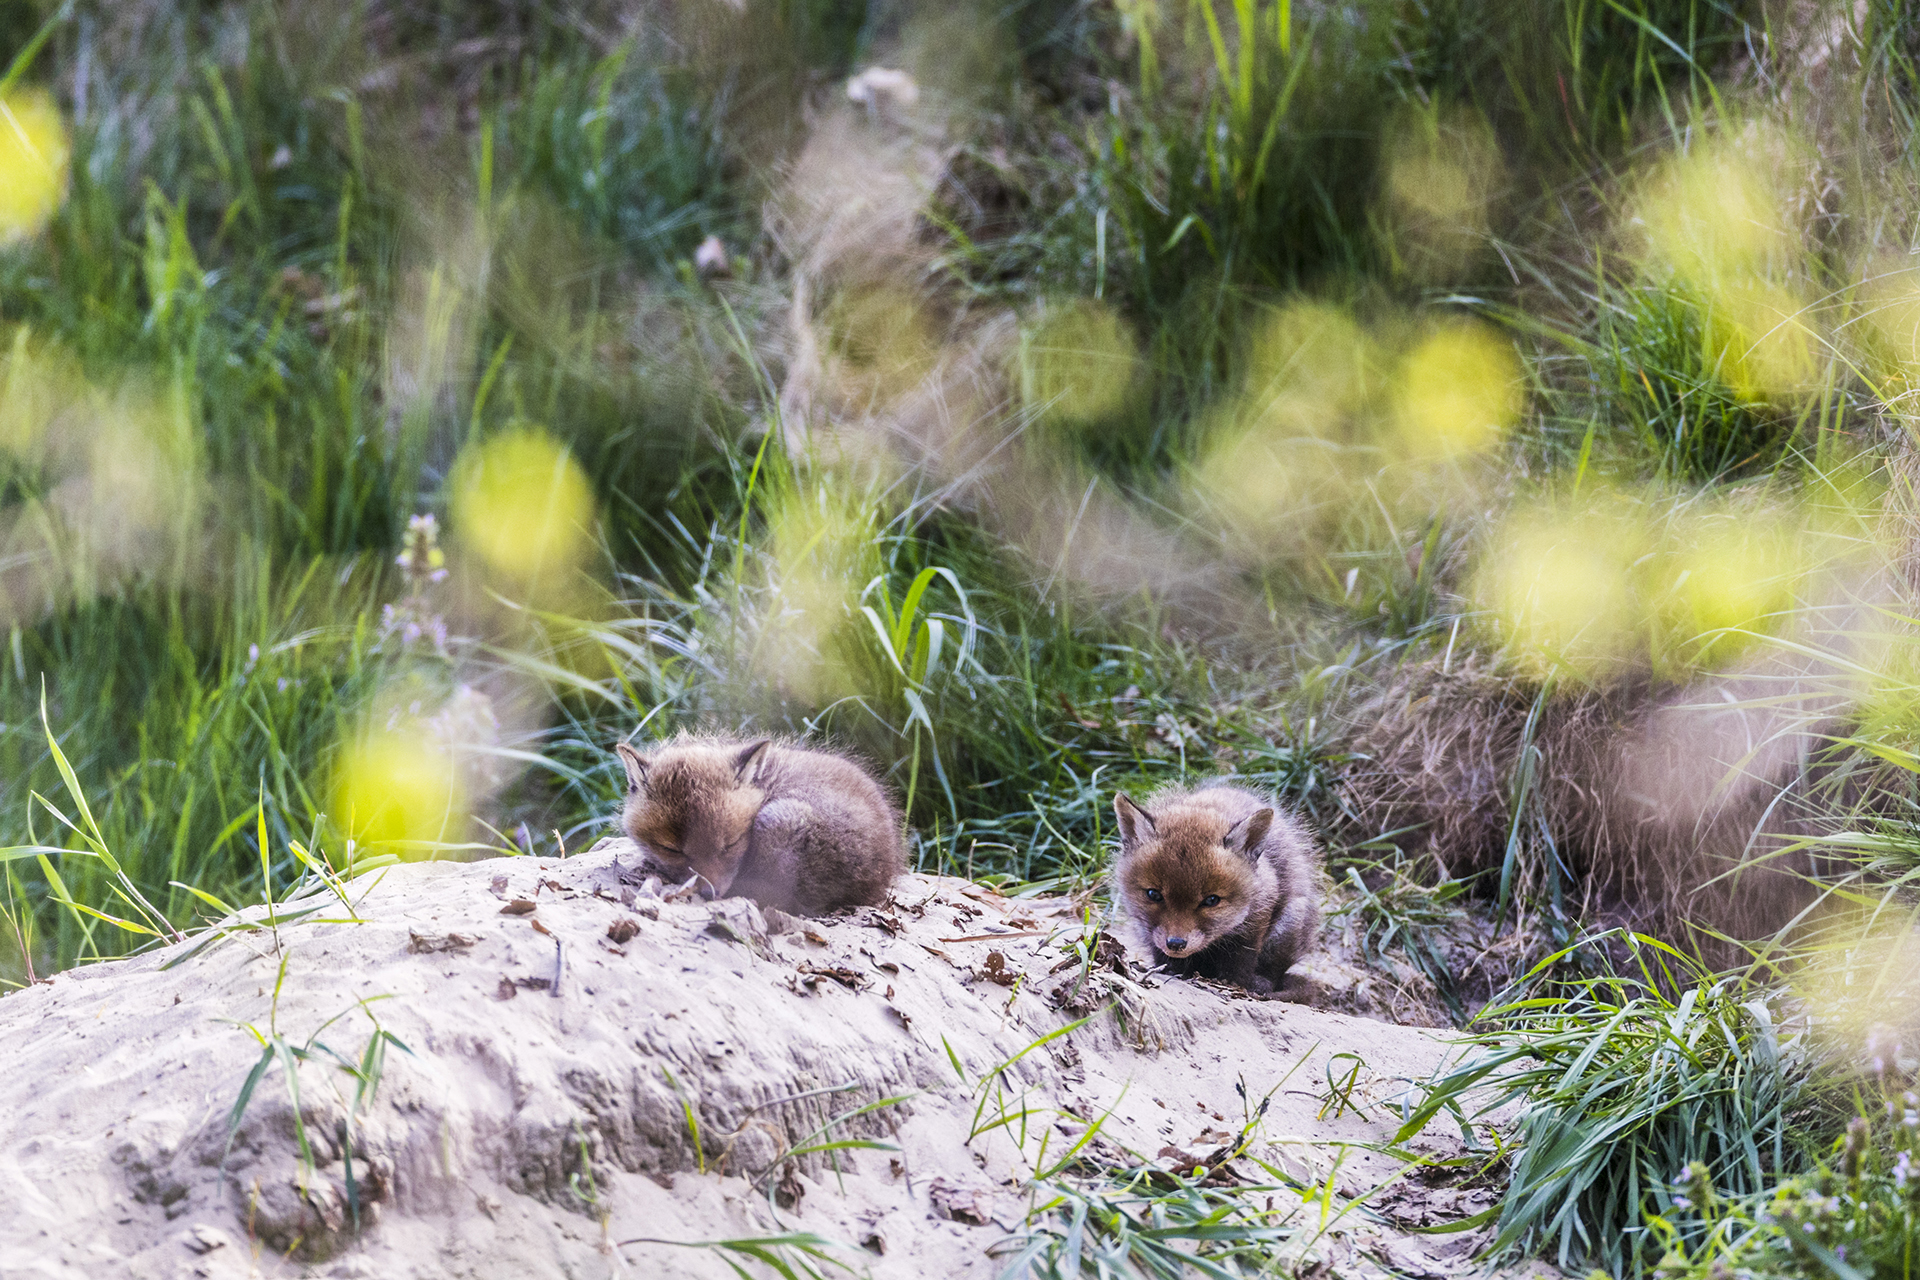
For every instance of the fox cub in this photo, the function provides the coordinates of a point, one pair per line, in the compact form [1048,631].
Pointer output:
[805,831]
[1218,882]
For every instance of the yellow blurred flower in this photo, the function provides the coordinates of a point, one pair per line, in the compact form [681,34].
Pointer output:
[1716,219]
[1441,172]
[1077,362]
[1768,345]
[1457,393]
[1890,307]
[1722,585]
[883,338]
[1715,212]
[1272,492]
[396,790]
[524,505]
[825,549]
[33,164]
[1311,371]
[1558,585]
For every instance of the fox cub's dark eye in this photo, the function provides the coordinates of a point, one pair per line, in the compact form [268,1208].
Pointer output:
[1153,895]
[1211,900]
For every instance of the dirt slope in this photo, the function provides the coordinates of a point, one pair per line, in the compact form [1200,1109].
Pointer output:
[533,1125]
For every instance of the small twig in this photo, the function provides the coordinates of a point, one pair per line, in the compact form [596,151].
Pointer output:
[559,966]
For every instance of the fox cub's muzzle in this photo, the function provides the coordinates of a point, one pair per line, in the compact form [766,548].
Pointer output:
[1178,944]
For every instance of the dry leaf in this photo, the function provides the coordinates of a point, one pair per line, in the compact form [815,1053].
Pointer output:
[427,943]
[969,1204]
[851,979]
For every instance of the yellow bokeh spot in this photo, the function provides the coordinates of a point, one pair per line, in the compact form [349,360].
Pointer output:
[398,791]
[1890,307]
[1716,221]
[37,385]
[1077,363]
[1769,348]
[1732,578]
[1558,584]
[1311,370]
[1715,214]
[1281,458]
[1458,392]
[1441,173]
[33,164]
[883,338]
[825,549]
[1272,490]
[524,505]
[1671,586]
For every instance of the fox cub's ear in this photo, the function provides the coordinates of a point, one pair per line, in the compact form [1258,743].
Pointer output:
[1245,835]
[744,762]
[636,766]
[1136,824]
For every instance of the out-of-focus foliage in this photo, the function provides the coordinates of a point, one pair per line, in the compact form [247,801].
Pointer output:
[401,401]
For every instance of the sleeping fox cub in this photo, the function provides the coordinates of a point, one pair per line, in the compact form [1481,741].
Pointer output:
[789,827]
[1218,882]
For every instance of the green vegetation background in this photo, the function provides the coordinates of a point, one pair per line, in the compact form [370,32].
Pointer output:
[258,189]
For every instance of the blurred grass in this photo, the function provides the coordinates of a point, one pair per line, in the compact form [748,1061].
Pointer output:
[338,277]
[316,265]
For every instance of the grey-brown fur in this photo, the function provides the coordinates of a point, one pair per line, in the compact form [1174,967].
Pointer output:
[791,827]
[1188,846]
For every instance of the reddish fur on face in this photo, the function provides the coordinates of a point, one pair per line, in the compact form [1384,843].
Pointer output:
[1219,882]
[1204,890]
[693,807]
[801,829]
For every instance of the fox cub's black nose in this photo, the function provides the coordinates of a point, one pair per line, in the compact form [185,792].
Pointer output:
[1176,944]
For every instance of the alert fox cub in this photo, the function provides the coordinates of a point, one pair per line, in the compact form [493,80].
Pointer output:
[789,827]
[1218,882]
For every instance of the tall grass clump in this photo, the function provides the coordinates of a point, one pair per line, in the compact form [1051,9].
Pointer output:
[228,287]
[1627,1083]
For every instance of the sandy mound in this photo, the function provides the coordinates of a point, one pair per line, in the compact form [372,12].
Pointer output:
[565,1091]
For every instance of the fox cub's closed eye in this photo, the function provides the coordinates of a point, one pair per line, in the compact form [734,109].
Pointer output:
[1153,895]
